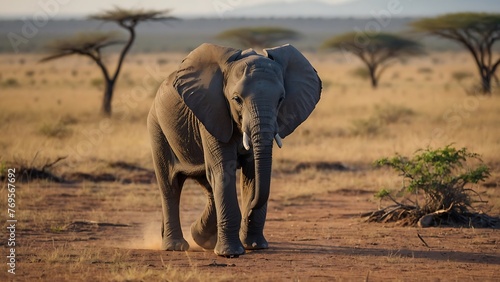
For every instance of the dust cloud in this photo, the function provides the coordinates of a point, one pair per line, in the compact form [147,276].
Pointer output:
[151,238]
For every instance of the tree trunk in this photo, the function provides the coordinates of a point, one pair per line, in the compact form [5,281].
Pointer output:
[373,78]
[486,83]
[108,96]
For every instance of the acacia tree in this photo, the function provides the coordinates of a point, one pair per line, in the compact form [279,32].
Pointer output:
[477,32]
[258,37]
[376,50]
[91,44]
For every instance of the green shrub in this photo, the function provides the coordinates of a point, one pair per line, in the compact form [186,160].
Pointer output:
[438,180]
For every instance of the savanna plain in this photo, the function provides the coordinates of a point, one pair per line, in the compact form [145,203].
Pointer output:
[99,217]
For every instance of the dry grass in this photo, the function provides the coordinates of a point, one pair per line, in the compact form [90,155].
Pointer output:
[60,117]
[122,265]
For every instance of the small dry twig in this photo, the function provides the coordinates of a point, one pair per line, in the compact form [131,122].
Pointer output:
[50,164]
[422,239]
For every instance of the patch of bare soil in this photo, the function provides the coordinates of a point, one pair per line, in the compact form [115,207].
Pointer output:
[94,232]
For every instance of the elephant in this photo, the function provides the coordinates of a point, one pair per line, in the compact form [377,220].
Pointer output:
[221,111]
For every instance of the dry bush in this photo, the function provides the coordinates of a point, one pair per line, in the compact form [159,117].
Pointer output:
[32,170]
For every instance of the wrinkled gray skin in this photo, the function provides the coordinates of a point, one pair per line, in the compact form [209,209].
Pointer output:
[196,126]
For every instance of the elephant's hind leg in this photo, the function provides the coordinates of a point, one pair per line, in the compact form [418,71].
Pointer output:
[170,184]
[204,230]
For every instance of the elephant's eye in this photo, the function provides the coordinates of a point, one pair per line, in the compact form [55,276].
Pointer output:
[238,100]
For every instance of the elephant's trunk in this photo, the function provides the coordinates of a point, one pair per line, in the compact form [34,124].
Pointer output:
[263,167]
[262,135]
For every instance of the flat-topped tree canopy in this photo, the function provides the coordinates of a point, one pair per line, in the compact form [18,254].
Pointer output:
[448,25]
[375,49]
[258,37]
[379,44]
[477,32]
[130,17]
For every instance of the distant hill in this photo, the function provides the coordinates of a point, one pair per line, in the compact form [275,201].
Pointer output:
[365,8]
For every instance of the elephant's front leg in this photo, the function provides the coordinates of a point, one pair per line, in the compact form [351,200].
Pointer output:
[221,162]
[252,226]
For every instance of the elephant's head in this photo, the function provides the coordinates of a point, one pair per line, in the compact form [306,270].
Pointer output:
[262,97]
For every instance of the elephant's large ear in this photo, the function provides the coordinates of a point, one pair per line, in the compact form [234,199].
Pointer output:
[200,82]
[302,87]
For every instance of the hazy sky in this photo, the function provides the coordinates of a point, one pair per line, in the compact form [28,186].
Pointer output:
[85,7]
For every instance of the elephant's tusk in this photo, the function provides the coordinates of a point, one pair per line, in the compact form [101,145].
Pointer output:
[246,141]
[279,142]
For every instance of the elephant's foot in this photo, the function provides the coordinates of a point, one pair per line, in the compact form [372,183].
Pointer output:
[254,242]
[204,239]
[175,245]
[233,250]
